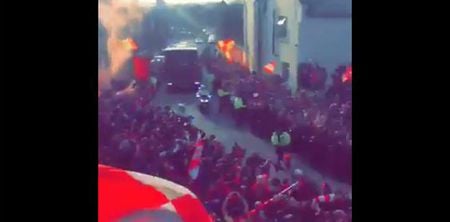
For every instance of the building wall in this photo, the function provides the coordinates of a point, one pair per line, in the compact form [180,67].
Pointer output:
[249,33]
[267,33]
[328,8]
[327,41]
[288,51]
[261,13]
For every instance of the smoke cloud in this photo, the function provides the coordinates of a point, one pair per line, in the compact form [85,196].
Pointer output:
[121,19]
[104,79]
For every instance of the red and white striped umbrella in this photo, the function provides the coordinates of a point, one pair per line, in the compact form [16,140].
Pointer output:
[131,196]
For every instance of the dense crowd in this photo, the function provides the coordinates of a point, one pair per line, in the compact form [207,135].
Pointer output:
[318,117]
[136,135]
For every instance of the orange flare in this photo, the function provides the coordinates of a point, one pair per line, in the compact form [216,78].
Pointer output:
[270,67]
[130,44]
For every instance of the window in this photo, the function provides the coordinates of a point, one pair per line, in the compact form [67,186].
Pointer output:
[180,57]
[281,26]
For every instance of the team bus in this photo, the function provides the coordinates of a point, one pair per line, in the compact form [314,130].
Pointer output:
[181,69]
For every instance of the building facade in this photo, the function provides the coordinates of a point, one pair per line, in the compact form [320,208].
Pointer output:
[271,34]
[326,33]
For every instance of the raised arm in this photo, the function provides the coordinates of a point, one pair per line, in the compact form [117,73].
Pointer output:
[225,203]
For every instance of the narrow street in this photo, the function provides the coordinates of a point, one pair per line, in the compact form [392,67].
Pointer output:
[224,129]
[272,78]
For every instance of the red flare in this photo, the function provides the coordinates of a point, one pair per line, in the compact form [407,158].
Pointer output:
[270,67]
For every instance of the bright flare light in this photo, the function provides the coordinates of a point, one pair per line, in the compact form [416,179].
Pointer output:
[130,44]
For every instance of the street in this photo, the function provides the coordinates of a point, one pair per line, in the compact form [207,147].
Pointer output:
[225,110]
[227,133]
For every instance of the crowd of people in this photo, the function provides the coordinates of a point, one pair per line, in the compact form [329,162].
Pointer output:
[318,117]
[136,135]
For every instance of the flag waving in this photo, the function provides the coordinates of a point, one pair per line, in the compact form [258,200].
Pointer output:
[131,196]
[194,165]
[141,68]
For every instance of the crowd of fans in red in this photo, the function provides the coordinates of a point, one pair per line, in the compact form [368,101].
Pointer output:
[319,118]
[136,135]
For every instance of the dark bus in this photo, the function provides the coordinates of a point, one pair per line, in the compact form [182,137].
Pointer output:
[182,68]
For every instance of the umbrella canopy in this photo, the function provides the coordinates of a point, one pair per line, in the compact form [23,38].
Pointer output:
[127,196]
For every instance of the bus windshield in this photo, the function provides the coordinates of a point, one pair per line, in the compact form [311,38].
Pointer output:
[181,57]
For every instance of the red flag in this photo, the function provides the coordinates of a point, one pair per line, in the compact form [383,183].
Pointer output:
[141,68]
